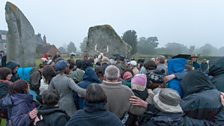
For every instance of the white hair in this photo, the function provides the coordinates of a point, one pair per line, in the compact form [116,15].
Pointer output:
[112,73]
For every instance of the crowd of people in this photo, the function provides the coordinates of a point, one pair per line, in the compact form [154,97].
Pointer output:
[102,91]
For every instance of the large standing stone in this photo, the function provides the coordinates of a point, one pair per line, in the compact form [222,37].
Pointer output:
[21,46]
[104,39]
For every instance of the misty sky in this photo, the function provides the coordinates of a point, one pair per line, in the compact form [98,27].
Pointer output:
[191,22]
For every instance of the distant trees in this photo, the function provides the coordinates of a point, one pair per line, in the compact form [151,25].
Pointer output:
[83,44]
[130,37]
[71,47]
[62,49]
[208,50]
[147,45]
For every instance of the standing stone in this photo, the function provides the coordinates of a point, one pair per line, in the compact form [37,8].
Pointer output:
[104,39]
[21,46]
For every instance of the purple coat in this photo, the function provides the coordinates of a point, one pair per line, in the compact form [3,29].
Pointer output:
[18,105]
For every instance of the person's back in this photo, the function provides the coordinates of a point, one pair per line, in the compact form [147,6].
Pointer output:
[94,113]
[201,99]
[117,98]
[49,113]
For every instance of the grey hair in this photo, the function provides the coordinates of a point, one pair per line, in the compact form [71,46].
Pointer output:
[112,73]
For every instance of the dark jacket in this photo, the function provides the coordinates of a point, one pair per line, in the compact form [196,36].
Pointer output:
[52,116]
[4,88]
[94,115]
[201,98]
[217,72]
[18,105]
[196,65]
[88,78]
[12,66]
[175,119]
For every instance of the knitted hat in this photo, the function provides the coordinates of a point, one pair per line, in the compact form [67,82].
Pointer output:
[139,82]
[61,65]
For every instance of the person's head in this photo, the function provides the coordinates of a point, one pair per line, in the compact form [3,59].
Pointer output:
[50,97]
[19,86]
[5,74]
[160,60]
[127,74]
[13,66]
[112,73]
[100,72]
[61,66]
[150,65]
[48,73]
[138,82]
[168,100]
[132,64]
[95,94]
[194,58]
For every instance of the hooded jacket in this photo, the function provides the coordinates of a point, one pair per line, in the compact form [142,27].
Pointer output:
[12,65]
[52,116]
[201,98]
[175,119]
[94,114]
[217,72]
[88,78]
[18,105]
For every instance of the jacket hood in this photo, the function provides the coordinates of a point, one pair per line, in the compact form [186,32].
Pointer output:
[90,75]
[12,65]
[195,82]
[217,67]
[176,65]
[163,119]
[16,99]
[47,110]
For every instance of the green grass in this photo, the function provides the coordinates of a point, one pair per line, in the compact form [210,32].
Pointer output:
[3,122]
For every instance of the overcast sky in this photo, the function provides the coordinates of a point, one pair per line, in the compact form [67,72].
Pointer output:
[191,22]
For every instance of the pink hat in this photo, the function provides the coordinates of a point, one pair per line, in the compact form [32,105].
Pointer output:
[139,82]
[127,75]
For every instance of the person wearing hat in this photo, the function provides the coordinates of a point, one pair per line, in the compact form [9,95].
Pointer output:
[167,110]
[195,64]
[14,67]
[133,66]
[65,87]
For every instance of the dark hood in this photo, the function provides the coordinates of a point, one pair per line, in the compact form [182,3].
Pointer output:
[12,65]
[217,67]
[16,99]
[47,110]
[195,82]
[90,75]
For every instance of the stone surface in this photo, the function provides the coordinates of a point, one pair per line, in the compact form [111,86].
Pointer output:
[21,46]
[103,38]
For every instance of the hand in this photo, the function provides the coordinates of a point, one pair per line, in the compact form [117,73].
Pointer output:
[33,114]
[37,119]
[168,78]
[222,98]
[136,101]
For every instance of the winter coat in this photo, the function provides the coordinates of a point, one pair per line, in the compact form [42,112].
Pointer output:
[18,106]
[217,72]
[12,66]
[52,116]
[65,87]
[196,66]
[94,115]
[141,94]
[118,99]
[24,73]
[4,88]
[176,65]
[77,75]
[201,98]
[88,78]
[175,119]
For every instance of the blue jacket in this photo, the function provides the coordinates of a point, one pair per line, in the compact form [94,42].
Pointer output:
[94,115]
[18,106]
[88,78]
[176,66]
[24,73]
